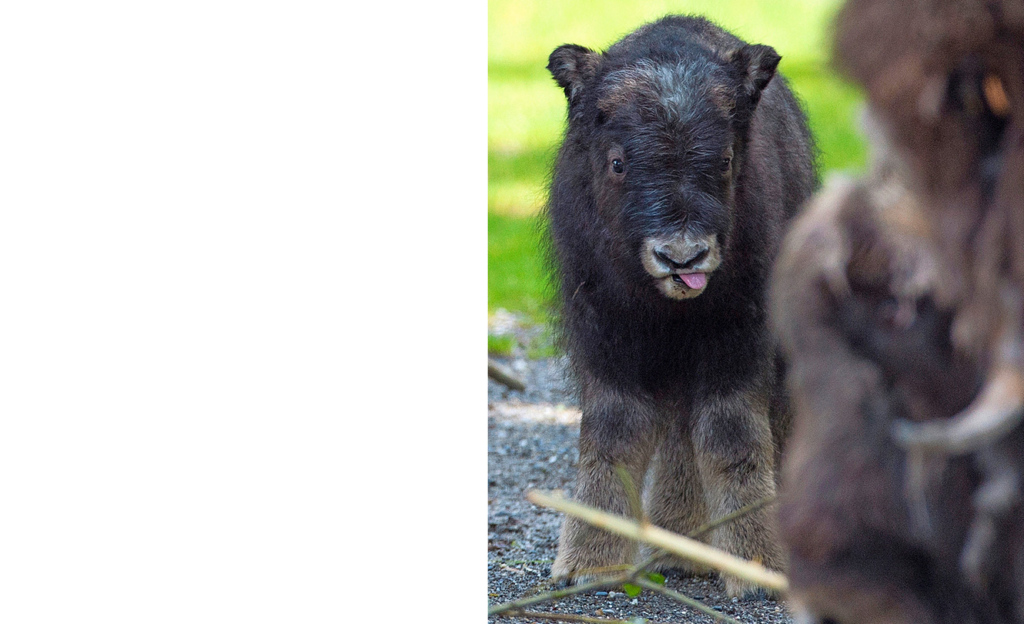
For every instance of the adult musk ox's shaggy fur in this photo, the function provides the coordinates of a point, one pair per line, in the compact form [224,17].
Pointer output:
[684,156]
[901,310]
[869,344]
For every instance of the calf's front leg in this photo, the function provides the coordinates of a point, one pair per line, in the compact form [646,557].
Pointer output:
[618,429]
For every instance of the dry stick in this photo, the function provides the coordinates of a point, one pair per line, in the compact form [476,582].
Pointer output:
[565,617]
[612,581]
[676,544]
[690,602]
[503,374]
[631,574]
[707,527]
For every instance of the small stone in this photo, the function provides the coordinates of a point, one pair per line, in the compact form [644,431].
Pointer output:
[601,593]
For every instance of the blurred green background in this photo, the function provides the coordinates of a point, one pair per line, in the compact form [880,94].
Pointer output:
[526,109]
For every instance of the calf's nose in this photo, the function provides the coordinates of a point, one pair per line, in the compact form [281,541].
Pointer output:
[691,254]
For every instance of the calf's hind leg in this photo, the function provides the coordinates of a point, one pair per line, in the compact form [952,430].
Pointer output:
[735,456]
[618,429]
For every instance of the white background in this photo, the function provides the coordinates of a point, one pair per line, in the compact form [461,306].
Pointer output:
[242,311]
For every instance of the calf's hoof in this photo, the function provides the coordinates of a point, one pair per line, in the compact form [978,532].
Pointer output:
[584,560]
[736,588]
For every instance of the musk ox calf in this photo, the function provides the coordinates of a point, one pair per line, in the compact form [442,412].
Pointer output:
[899,301]
[683,159]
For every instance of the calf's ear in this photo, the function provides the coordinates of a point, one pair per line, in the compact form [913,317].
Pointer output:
[572,66]
[756,64]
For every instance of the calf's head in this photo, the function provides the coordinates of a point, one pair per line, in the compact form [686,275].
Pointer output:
[663,139]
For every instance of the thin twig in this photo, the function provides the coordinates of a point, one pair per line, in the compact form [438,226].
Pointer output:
[612,581]
[632,493]
[566,617]
[690,602]
[649,561]
[676,544]
[727,518]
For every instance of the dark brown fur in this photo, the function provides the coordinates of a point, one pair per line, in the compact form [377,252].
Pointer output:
[894,305]
[859,361]
[680,143]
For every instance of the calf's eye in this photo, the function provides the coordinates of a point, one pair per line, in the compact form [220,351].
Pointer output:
[618,166]
[726,163]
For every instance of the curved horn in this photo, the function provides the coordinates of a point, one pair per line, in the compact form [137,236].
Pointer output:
[997,410]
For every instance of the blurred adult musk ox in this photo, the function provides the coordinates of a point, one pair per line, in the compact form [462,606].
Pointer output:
[684,156]
[898,299]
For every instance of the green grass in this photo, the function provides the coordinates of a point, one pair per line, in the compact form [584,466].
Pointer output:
[516,279]
[526,110]
[500,345]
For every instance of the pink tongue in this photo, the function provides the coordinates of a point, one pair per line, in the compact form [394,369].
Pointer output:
[695,280]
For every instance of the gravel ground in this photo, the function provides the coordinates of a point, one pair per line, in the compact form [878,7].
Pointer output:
[532,439]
